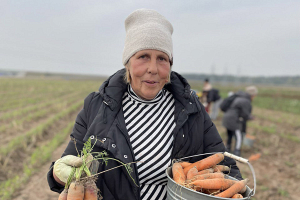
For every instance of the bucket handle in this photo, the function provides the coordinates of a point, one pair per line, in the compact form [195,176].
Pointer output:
[237,158]
[245,161]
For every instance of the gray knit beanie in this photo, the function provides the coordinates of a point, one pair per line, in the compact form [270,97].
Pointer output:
[147,29]
[252,90]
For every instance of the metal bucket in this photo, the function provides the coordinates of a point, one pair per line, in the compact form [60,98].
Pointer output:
[178,192]
[248,140]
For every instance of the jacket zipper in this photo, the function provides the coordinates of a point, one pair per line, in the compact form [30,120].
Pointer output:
[132,154]
[129,144]
[175,136]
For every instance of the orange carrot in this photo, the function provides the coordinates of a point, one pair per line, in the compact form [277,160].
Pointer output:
[63,195]
[237,196]
[206,176]
[243,190]
[90,190]
[191,173]
[217,183]
[254,157]
[76,191]
[206,162]
[178,175]
[221,168]
[185,164]
[205,171]
[210,176]
[237,187]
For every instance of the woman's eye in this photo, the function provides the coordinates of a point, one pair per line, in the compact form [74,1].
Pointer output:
[142,56]
[162,59]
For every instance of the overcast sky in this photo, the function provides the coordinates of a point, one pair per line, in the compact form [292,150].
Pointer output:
[238,37]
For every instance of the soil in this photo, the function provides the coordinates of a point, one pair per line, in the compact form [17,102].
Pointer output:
[277,170]
[37,187]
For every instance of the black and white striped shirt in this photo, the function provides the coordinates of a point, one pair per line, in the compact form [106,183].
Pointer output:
[150,125]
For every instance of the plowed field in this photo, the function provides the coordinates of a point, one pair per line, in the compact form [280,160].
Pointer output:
[37,115]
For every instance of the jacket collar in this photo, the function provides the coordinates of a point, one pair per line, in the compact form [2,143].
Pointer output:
[114,87]
[181,91]
[244,95]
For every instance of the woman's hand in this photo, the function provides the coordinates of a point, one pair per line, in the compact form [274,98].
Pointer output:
[62,168]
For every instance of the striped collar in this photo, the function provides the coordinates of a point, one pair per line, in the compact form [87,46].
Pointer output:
[156,99]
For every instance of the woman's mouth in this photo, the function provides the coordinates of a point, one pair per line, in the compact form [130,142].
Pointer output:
[151,82]
[148,82]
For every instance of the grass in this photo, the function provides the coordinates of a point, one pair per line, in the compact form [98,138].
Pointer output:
[283,192]
[291,137]
[290,164]
[279,104]
[39,157]
[273,130]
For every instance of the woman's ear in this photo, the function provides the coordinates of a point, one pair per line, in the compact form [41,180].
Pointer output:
[168,80]
[127,74]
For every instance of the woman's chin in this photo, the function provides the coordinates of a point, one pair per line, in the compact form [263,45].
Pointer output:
[149,96]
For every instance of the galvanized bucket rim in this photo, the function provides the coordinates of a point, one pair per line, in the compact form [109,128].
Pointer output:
[237,158]
[199,193]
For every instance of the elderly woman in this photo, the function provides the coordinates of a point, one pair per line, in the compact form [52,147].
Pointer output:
[145,112]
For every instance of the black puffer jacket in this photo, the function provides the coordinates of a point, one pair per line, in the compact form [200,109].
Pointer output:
[102,118]
[213,95]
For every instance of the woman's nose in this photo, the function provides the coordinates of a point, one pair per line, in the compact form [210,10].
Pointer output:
[152,68]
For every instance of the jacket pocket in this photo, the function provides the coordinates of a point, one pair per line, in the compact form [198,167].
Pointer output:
[104,191]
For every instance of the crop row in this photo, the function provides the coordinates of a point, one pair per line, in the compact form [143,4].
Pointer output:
[12,86]
[47,106]
[39,156]
[17,92]
[20,94]
[280,104]
[20,103]
[273,130]
[22,141]
[35,116]
[12,115]
[16,104]
[32,93]
[285,118]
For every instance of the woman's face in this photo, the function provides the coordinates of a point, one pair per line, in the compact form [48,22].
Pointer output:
[149,70]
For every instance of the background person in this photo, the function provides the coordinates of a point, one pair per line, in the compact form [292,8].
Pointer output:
[236,117]
[214,99]
[144,112]
[206,88]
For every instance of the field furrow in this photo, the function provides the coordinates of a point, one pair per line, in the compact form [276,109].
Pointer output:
[37,115]
[23,112]
[20,126]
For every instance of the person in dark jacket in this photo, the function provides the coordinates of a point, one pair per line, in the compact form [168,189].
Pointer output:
[144,114]
[236,117]
[214,99]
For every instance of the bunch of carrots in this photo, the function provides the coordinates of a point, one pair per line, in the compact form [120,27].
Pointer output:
[81,184]
[207,176]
